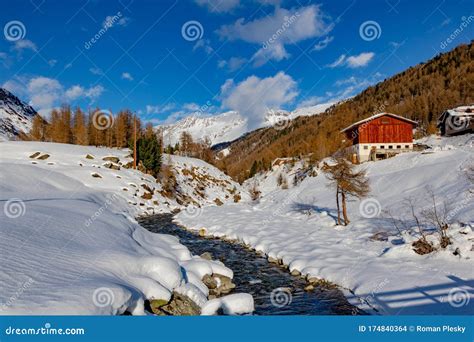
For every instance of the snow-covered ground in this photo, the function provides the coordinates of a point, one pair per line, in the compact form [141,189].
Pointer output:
[380,273]
[69,243]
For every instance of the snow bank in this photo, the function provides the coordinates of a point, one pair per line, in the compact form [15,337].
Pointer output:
[234,304]
[385,274]
[69,243]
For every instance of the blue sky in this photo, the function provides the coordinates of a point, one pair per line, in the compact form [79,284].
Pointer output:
[166,59]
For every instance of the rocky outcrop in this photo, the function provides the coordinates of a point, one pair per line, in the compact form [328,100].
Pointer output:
[179,305]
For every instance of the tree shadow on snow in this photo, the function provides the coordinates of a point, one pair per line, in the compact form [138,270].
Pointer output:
[304,208]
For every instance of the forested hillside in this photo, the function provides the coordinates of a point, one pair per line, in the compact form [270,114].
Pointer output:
[420,93]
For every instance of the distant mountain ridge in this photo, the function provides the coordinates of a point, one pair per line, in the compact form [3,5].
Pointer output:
[16,116]
[230,125]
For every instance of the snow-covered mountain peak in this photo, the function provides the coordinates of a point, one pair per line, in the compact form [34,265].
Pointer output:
[230,125]
[16,116]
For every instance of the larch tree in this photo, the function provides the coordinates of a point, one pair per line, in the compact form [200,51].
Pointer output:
[79,129]
[186,143]
[348,182]
[38,129]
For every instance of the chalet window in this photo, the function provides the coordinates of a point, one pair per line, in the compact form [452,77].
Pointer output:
[399,146]
[366,147]
[407,146]
[382,146]
[390,147]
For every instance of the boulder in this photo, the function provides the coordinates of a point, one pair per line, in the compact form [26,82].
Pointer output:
[43,157]
[36,154]
[89,156]
[111,159]
[206,256]
[179,305]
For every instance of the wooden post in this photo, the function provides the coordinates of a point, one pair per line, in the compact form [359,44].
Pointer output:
[135,142]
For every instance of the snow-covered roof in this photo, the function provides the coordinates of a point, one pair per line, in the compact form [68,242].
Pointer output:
[463,111]
[378,116]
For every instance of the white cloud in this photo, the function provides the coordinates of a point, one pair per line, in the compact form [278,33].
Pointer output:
[127,76]
[322,44]
[254,96]
[356,61]
[204,44]
[24,44]
[338,62]
[360,60]
[117,19]
[311,101]
[96,71]
[219,6]
[275,51]
[284,26]
[158,109]
[289,25]
[74,92]
[44,93]
[233,64]
[77,91]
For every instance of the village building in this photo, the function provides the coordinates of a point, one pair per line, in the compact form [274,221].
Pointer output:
[379,137]
[459,120]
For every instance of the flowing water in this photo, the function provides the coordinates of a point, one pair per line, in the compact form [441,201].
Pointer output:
[274,290]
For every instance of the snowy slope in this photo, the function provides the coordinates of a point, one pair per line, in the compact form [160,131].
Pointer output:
[298,226]
[228,126]
[15,116]
[70,244]
[129,184]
